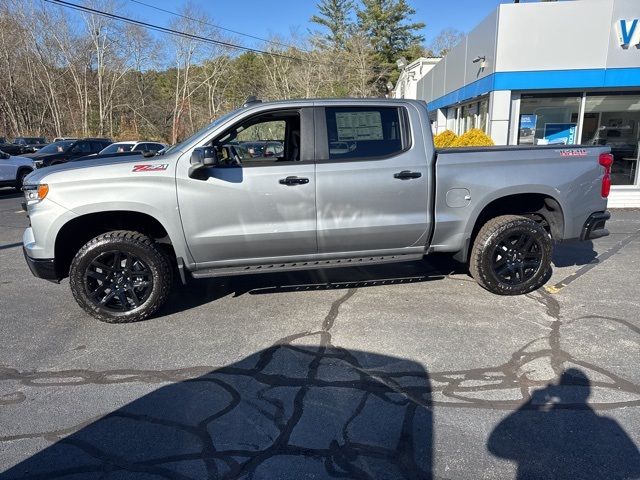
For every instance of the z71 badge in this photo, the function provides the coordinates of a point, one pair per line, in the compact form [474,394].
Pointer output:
[150,168]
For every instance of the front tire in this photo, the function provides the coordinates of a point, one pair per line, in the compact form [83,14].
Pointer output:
[120,277]
[511,255]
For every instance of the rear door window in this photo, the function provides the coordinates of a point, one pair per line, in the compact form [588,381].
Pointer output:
[364,132]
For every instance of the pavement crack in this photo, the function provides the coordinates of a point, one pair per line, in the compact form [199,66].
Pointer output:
[594,263]
[331,317]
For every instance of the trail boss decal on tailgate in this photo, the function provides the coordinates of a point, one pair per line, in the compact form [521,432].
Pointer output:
[150,168]
[573,153]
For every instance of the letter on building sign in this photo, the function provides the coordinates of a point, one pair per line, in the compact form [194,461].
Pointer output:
[628,32]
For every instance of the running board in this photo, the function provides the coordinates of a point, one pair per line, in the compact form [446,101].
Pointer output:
[305,265]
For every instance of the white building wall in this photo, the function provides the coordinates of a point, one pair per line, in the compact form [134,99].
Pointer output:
[537,47]
[441,120]
[411,82]
[499,116]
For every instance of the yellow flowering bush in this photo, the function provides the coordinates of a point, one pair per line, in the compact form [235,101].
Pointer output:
[444,139]
[472,138]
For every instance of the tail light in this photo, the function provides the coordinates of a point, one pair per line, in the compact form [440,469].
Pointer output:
[606,161]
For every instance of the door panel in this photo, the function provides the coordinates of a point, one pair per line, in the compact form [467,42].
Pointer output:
[8,171]
[361,204]
[243,213]
[252,211]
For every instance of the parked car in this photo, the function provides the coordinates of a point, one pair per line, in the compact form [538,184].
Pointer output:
[124,149]
[30,144]
[622,140]
[133,146]
[65,150]
[118,229]
[11,148]
[13,169]
[263,148]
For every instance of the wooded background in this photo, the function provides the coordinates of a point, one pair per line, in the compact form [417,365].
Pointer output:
[73,73]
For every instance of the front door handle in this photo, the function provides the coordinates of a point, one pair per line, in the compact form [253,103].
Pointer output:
[406,175]
[294,181]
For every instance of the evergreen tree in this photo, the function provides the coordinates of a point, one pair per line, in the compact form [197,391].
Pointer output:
[335,16]
[387,23]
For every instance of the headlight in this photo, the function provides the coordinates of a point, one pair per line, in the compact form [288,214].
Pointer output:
[35,193]
[38,163]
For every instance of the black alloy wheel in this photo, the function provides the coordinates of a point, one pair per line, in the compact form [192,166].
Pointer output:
[511,255]
[517,258]
[118,281]
[121,276]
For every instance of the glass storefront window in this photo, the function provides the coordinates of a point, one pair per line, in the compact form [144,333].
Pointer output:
[472,115]
[483,114]
[549,119]
[469,116]
[614,119]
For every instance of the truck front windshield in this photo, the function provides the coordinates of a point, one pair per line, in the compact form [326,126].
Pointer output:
[206,129]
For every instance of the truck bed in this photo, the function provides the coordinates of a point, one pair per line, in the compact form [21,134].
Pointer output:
[470,178]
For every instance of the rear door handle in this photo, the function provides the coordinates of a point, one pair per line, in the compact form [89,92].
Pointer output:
[294,181]
[406,175]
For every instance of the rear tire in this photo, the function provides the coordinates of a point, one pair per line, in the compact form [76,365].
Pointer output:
[511,255]
[121,277]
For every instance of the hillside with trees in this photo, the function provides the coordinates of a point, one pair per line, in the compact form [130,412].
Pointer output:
[70,73]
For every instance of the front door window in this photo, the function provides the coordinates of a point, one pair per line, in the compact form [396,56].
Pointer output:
[265,138]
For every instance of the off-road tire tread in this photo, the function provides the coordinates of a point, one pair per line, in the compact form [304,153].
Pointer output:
[490,229]
[164,283]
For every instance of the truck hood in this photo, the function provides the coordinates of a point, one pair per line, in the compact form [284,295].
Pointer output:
[94,168]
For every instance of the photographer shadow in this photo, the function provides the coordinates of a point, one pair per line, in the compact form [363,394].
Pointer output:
[557,435]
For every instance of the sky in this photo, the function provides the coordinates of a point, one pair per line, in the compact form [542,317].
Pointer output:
[262,18]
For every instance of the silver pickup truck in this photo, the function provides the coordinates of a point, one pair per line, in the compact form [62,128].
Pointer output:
[346,182]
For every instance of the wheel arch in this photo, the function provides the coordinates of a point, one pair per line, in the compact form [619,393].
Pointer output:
[79,230]
[21,169]
[541,205]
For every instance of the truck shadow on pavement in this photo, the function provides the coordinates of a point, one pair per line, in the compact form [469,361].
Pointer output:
[556,434]
[433,267]
[288,412]
[573,254]
[200,292]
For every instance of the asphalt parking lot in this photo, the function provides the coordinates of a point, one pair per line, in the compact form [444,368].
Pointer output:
[404,371]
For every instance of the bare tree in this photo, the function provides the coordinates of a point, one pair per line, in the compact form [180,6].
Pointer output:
[361,71]
[69,73]
[445,41]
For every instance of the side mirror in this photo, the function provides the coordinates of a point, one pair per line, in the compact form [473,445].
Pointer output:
[202,157]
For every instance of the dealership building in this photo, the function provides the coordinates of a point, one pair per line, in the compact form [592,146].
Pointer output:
[565,72]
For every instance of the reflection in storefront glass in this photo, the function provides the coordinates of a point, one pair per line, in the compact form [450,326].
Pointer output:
[549,120]
[472,115]
[613,119]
